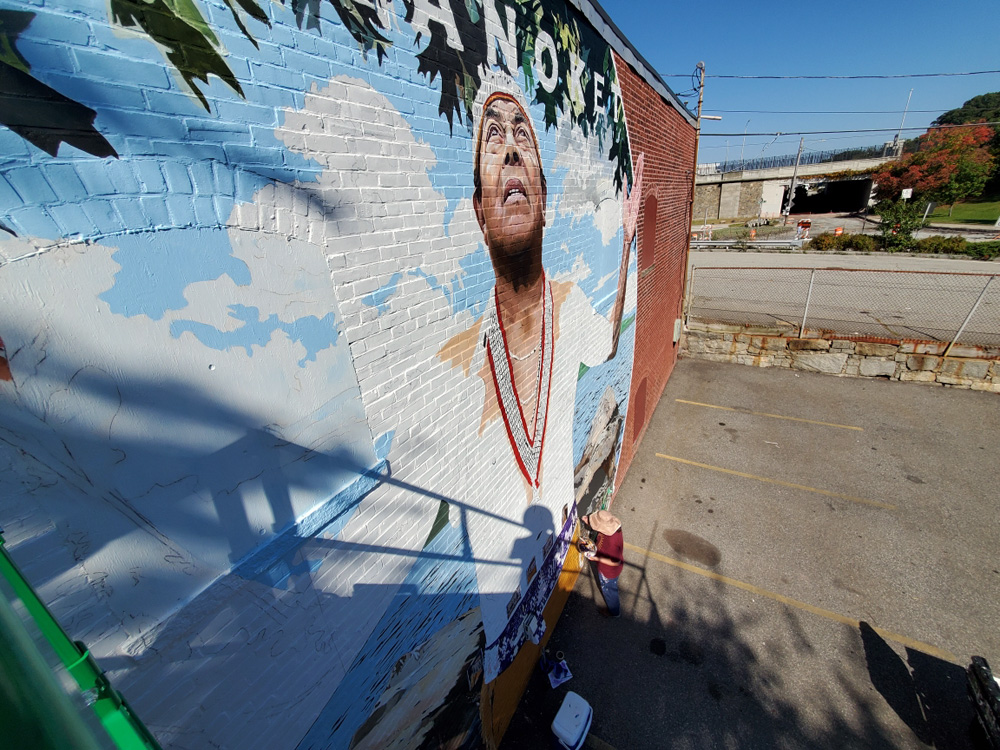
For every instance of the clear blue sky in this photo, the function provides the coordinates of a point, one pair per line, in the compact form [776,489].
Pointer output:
[820,38]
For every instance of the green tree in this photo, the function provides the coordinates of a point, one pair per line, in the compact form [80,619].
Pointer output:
[982,108]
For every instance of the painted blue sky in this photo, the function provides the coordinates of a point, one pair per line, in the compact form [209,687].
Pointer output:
[785,38]
[208,161]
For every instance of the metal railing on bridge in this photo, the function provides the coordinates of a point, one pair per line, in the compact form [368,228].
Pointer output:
[959,308]
[788,160]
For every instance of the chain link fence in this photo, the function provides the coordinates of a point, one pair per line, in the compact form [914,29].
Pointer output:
[917,305]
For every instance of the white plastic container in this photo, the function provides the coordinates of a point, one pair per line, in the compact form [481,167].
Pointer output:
[572,722]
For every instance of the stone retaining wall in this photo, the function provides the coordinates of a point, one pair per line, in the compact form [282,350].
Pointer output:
[914,361]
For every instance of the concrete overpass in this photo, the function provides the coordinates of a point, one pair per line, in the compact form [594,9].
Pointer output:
[761,192]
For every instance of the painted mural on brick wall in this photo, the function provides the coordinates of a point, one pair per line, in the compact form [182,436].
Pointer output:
[317,340]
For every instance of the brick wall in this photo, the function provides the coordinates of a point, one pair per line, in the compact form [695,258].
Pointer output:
[261,446]
[662,134]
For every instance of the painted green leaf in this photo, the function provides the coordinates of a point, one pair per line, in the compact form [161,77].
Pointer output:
[188,12]
[191,52]
[42,116]
[364,24]
[12,23]
[253,10]
[35,111]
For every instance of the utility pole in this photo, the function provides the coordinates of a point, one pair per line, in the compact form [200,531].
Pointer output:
[697,132]
[701,97]
[700,67]
[901,123]
[694,173]
[791,189]
[905,110]
[701,91]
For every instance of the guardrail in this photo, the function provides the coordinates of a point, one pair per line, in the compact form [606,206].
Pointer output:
[900,305]
[746,244]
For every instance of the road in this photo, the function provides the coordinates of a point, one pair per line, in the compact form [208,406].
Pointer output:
[862,301]
[877,261]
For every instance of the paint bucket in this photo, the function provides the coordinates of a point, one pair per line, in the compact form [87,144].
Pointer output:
[572,723]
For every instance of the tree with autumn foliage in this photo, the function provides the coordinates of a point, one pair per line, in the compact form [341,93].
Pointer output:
[950,164]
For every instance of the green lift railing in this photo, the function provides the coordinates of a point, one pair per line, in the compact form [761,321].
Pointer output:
[38,710]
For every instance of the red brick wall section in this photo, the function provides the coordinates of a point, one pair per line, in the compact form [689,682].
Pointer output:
[657,130]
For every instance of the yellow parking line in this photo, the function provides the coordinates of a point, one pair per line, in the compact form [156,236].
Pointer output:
[887,634]
[852,498]
[773,416]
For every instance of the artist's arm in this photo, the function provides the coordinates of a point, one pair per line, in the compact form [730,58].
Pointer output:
[598,557]
[630,221]
[591,553]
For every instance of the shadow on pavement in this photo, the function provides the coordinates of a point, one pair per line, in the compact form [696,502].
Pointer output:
[927,693]
[684,675]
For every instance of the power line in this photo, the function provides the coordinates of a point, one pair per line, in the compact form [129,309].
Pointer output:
[784,143]
[824,132]
[824,111]
[816,140]
[839,78]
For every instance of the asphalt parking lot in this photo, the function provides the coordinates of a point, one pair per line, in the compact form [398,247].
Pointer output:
[811,562]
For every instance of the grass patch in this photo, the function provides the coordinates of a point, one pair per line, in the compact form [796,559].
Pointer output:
[768,232]
[985,212]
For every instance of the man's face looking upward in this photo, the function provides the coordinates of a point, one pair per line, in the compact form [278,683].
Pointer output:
[510,188]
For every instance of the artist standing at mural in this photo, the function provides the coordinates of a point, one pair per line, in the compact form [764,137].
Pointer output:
[608,554]
[527,350]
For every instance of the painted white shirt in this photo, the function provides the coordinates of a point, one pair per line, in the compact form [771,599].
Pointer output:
[508,530]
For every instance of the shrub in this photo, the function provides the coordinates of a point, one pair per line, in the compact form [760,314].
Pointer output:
[828,242]
[824,242]
[938,244]
[983,250]
[900,220]
[861,243]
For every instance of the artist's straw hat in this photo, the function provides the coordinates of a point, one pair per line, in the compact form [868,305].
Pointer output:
[603,522]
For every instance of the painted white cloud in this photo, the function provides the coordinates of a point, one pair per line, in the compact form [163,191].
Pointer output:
[605,279]
[589,182]
[382,225]
[173,414]
[577,273]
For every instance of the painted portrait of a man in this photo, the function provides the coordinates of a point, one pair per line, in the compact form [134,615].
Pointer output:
[526,351]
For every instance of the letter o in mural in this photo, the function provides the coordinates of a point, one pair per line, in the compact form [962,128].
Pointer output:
[543,45]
